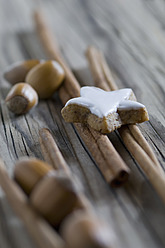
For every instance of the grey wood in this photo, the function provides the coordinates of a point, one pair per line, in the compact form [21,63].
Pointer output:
[131,34]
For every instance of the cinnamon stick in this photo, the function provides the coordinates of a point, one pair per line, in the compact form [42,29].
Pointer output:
[53,156]
[144,144]
[114,175]
[97,72]
[131,135]
[51,47]
[51,152]
[106,156]
[40,231]
[97,60]
[157,179]
[110,82]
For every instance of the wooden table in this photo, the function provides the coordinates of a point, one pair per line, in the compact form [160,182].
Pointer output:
[131,33]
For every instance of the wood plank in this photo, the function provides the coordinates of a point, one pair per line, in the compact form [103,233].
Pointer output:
[12,231]
[131,34]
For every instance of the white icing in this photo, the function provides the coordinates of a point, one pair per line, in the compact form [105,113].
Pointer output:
[102,103]
[128,104]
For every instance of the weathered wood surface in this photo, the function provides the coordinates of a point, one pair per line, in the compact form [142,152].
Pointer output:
[131,33]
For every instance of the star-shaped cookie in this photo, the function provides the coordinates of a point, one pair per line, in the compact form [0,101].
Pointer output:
[104,111]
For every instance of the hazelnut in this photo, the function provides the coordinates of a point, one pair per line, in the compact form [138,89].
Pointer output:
[82,229]
[45,78]
[54,197]
[21,98]
[29,171]
[17,72]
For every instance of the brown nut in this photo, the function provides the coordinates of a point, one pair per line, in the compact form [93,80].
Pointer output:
[82,229]
[21,98]
[17,72]
[54,197]
[29,171]
[45,78]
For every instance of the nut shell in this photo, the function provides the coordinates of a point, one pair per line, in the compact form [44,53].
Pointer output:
[45,78]
[82,229]
[29,171]
[21,98]
[17,72]
[54,197]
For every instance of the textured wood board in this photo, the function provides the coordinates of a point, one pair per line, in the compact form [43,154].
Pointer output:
[131,34]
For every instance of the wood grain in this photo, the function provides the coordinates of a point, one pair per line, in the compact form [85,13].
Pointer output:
[131,35]
[38,228]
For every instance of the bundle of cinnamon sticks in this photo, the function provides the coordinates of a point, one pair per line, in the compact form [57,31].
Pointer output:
[108,160]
